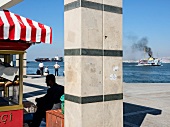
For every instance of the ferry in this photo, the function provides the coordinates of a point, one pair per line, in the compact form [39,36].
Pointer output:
[42,59]
[56,59]
[150,62]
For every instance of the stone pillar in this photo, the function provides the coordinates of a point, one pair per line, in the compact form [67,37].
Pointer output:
[93,63]
[24,63]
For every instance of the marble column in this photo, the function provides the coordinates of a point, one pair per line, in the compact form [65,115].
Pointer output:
[93,63]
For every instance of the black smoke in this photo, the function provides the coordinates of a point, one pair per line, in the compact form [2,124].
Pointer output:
[141,45]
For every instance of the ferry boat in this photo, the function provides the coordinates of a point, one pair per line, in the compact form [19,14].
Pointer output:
[57,59]
[42,59]
[150,62]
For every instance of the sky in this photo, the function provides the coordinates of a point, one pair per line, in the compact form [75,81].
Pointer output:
[147,20]
[50,13]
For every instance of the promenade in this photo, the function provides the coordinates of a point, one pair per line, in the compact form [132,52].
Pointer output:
[145,104]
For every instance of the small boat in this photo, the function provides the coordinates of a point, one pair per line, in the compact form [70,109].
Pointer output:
[42,59]
[150,62]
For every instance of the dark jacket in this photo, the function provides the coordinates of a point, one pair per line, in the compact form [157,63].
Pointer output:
[52,97]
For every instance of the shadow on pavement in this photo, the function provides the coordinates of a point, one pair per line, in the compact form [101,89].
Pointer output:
[134,115]
[42,90]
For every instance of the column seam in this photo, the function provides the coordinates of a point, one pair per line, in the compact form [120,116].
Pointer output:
[103,56]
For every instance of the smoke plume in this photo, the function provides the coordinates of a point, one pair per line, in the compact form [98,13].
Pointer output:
[141,45]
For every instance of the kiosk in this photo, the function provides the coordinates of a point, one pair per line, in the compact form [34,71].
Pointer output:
[16,35]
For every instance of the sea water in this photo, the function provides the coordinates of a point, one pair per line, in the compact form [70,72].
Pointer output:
[146,74]
[33,66]
[131,72]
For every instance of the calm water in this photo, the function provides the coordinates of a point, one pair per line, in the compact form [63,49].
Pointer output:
[146,74]
[131,72]
[33,66]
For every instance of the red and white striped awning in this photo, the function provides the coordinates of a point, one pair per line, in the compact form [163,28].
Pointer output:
[15,27]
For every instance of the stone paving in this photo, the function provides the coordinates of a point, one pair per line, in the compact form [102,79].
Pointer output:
[145,104]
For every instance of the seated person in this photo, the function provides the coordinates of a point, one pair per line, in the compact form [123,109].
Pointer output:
[46,102]
[46,71]
[38,72]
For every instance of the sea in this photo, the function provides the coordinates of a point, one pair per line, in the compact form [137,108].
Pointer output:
[131,72]
[32,67]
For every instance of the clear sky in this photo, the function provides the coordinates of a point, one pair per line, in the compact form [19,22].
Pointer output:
[149,19]
[50,13]
[146,19]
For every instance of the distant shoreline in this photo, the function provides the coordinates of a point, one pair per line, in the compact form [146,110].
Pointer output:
[137,62]
[123,61]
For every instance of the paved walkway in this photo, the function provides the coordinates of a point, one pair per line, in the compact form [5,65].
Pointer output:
[145,104]
[35,86]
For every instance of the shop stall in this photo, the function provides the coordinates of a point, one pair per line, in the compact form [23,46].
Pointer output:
[16,35]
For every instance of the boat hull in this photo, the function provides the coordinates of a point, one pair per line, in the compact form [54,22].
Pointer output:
[57,60]
[149,65]
[42,60]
